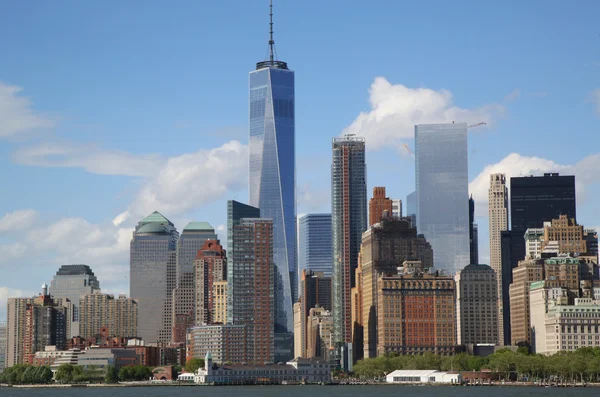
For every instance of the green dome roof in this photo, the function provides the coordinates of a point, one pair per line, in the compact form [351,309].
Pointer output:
[153,228]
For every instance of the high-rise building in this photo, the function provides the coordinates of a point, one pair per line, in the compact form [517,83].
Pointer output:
[153,276]
[3,344]
[319,333]
[272,165]
[314,243]
[559,236]
[476,305]
[315,291]
[442,188]
[118,316]
[72,282]
[219,307]
[348,222]
[378,204]
[385,247]
[226,343]
[211,267]
[252,286]
[416,313]
[411,207]
[473,233]
[498,222]
[192,238]
[15,315]
[397,208]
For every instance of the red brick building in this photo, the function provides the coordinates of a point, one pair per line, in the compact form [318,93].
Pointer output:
[378,204]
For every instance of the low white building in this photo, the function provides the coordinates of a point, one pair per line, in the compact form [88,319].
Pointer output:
[423,376]
[298,370]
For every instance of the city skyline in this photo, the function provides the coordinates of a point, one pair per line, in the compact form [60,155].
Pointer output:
[101,135]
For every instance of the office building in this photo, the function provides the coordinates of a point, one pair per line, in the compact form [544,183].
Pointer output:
[72,282]
[152,276]
[183,310]
[15,316]
[378,204]
[315,291]
[385,247]
[314,243]
[411,207]
[397,208]
[3,344]
[319,334]
[442,190]
[473,233]
[406,323]
[498,222]
[118,316]
[348,222]
[476,305]
[252,286]
[226,343]
[219,307]
[211,267]
[272,181]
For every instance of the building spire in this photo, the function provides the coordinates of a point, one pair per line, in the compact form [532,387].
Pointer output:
[271,41]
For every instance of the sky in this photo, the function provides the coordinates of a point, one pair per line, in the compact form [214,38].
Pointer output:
[111,110]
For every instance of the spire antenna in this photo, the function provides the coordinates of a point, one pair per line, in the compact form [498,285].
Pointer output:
[271,41]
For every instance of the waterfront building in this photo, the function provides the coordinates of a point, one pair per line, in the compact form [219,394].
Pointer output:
[476,305]
[348,222]
[102,311]
[423,377]
[442,190]
[226,343]
[211,267]
[183,311]
[252,286]
[72,282]
[272,176]
[15,315]
[378,204]
[314,243]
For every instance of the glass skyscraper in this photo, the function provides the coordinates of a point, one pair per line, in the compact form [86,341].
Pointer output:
[348,222]
[314,244]
[272,164]
[442,187]
[153,276]
[73,282]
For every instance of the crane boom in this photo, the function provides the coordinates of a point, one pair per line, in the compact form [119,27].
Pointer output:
[477,125]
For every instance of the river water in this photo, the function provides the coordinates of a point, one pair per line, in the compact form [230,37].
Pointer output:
[304,391]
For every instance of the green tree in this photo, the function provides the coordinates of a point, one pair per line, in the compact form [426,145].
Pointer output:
[193,364]
[64,373]
[111,376]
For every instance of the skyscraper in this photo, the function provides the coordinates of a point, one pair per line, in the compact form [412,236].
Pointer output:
[473,233]
[192,239]
[315,291]
[119,316]
[153,276]
[211,267]
[15,316]
[442,188]
[314,243]
[272,165]
[498,222]
[348,222]
[378,204]
[72,282]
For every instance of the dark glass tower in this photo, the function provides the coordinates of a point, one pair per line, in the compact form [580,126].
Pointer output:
[473,233]
[273,170]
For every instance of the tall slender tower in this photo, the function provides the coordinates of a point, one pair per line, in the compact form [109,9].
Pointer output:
[348,222]
[273,170]
[498,214]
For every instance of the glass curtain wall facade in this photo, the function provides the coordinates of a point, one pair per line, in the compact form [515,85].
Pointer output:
[153,276]
[315,244]
[272,174]
[72,282]
[348,222]
[442,187]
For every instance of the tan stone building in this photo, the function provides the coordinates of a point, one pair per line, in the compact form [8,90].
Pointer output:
[476,305]
[98,310]
[15,314]
[211,267]
[219,302]
[498,222]
[319,334]
[567,233]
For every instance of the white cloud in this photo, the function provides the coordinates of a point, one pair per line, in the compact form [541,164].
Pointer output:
[6,292]
[89,157]
[594,97]
[17,220]
[11,252]
[313,200]
[395,109]
[191,180]
[517,165]
[16,114]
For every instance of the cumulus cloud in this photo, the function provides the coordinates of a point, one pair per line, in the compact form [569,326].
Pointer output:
[89,157]
[16,113]
[594,97]
[191,180]
[395,109]
[313,200]
[11,252]
[517,165]
[18,220]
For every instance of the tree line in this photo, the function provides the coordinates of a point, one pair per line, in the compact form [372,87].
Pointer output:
[22,374]
[582,365]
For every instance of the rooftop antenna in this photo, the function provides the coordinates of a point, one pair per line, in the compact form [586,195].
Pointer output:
[271,41]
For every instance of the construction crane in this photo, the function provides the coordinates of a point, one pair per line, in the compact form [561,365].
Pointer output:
[477,125]
[408,150]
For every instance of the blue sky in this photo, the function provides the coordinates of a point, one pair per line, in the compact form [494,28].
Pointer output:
[114,109]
